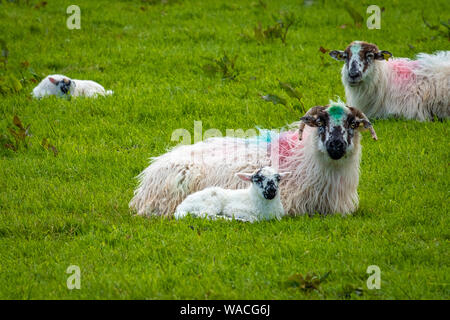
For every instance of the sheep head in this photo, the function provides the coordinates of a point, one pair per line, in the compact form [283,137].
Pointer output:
[64,84]
[266,180]
[337,126]
[359,59]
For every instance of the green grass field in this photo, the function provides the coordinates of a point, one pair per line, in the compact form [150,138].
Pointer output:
[72,208]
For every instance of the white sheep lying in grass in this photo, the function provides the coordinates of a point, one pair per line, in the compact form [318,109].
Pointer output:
[415,89]
[323,165]
[59,85]
[261,201]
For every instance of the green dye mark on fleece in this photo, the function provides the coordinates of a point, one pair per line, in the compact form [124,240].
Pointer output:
[337,114]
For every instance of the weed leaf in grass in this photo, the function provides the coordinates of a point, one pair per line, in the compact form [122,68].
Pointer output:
[224,65]
[323,50]
[7,142]
[5,52]
[431,27]
[274,99]
[20,135]
[293,93]
[356,16]
[307,283]
[49,147]
[277,31]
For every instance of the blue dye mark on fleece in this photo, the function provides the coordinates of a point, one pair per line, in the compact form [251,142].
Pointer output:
[265,136]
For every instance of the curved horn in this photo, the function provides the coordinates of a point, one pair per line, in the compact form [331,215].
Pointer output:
[365,121]
[311,112]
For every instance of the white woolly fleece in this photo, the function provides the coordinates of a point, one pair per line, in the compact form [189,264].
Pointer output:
[241,204]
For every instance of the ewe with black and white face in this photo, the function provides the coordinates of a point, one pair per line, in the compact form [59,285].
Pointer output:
[382,87]
[337,127]
[359,59]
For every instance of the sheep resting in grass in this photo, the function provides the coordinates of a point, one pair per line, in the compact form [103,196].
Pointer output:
[379,87]
[59,85]
[323,161]
[261,201]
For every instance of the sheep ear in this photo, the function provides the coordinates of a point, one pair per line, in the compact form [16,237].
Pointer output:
[283,174]
[337,55]
[309,120]
[244,176]
[383,55]
[52,80]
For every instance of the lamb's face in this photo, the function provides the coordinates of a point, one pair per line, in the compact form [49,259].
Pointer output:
[359,59]
[63,85]
[337,127]
[266,181]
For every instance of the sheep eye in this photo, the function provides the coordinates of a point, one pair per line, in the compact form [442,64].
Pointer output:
[354,125]
[278,177]
[370,55]
[319,123]
[257,179]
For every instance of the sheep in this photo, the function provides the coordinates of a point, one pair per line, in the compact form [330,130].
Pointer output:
[261,201]
[323,159]
[60,85]
[414,89]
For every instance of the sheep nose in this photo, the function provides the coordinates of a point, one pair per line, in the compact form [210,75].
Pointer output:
[336,149]
[270,193]
[353,74]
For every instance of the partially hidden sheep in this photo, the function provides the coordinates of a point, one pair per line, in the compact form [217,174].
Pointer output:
[323,161]
[60,85]
[261,201]
[382,87]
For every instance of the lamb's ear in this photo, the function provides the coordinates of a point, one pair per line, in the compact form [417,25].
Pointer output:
[283,174]
[244,176]
[337,55]
[52,80]
[383,55]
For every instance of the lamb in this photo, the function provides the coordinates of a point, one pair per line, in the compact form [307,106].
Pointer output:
[261,201]
[60,85]
[323,159]
[414,89]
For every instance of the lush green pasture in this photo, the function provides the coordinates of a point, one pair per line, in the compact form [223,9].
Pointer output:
[72,209]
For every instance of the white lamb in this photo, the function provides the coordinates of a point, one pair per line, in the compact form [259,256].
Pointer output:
[414,89]
[323,161]
[60,85]
[261,201]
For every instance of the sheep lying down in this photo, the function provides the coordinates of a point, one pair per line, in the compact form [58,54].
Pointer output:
[261,201]
[382,87]
[60,85]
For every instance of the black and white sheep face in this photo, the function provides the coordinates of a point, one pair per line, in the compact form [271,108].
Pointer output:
[266,180]
[64,85]
[359,59]
[337,127]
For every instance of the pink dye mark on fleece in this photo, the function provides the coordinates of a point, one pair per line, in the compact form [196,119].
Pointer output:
[403,70]
[288,144]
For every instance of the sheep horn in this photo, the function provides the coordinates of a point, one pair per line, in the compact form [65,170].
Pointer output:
[364,120]
[311,112]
